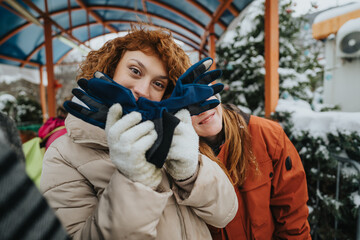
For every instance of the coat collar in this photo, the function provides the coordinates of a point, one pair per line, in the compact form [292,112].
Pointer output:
[84,133]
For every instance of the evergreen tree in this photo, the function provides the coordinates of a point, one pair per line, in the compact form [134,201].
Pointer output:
[300,77]
[242,61]
[24,110]
[320,159]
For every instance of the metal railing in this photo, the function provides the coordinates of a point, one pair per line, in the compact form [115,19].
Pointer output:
[353,163]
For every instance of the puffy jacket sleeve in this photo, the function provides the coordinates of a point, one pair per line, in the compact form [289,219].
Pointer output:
[289,189]
[212,196]
[90,213]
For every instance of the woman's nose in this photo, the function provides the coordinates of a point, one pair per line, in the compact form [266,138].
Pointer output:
[141,90]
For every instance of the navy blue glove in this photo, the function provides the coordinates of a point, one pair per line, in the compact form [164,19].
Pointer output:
[191,91]
[201,76]
[94,109]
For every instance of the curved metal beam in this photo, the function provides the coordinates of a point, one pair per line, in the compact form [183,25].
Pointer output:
[142,13]
[19,60]
[14,32]
[115,8]
[187,17]
[207,12]
[217,14]
[10,34]
[38,48]
[44,15]
[95,16]
[100,7]
[67,53]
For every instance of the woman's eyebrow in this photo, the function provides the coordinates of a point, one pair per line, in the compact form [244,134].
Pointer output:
[143,66]
[138,62]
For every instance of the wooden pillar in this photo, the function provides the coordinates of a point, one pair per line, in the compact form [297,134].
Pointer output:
[49,68]
[271,56]
[42,95]
[212,46]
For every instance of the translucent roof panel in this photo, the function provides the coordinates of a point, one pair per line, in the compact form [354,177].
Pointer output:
[22,36]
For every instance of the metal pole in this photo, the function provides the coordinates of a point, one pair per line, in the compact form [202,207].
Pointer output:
[337,194]
[317,197]
[358,220]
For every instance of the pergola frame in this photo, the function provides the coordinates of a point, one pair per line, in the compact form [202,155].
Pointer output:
[207,39]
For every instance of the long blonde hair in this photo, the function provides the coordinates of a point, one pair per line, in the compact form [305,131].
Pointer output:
[237,145]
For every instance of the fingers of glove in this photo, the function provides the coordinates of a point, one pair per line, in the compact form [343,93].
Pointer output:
[114,114]
[83,83]
[192,93]
[90,101]
[184,116]
[198,108]
[93,117]
[122,125]
[145,141]
[195,70]
[218,87]
[102,76]
[208,77]
[135,135]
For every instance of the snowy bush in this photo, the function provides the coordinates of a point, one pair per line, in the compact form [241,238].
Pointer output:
[321,138]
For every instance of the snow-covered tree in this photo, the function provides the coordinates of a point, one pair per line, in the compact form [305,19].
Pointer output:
[324,140]
[242,59]
[23,109]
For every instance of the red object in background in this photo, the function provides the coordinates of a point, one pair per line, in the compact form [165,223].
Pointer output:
[52,129]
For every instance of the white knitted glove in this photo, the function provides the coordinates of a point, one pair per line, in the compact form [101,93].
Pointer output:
[128,141]
[182,159]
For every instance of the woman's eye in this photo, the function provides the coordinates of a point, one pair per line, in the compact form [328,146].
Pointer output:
[135,71]
[159,84]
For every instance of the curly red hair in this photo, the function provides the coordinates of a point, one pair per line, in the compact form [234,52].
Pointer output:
[159,42]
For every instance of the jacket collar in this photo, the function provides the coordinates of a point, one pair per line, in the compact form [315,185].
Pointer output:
[84,133]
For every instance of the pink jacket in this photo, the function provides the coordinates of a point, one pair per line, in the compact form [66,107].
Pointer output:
[51,130]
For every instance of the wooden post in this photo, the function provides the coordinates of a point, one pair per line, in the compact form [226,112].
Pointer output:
[212,46]
[42,95]
[49,66]
[271,56]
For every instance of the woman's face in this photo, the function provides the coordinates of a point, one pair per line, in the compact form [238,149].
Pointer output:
[208,124]
[144,75]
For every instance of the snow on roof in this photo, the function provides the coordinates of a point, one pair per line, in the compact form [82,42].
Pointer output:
[9,74]
[334,12]
[349,26]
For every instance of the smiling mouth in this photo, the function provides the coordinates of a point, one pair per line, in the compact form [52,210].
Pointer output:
[207,119]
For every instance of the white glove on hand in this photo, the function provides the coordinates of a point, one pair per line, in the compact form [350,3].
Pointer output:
[182,159]
[128,141]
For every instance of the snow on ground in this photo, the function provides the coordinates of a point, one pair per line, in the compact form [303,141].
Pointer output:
[318,124]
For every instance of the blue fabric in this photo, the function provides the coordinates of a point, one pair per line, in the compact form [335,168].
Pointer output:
[95,113]
[191,91]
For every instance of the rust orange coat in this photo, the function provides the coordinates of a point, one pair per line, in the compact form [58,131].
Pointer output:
[272,205]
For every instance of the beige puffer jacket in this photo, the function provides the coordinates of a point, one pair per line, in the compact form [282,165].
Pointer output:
[95,201]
